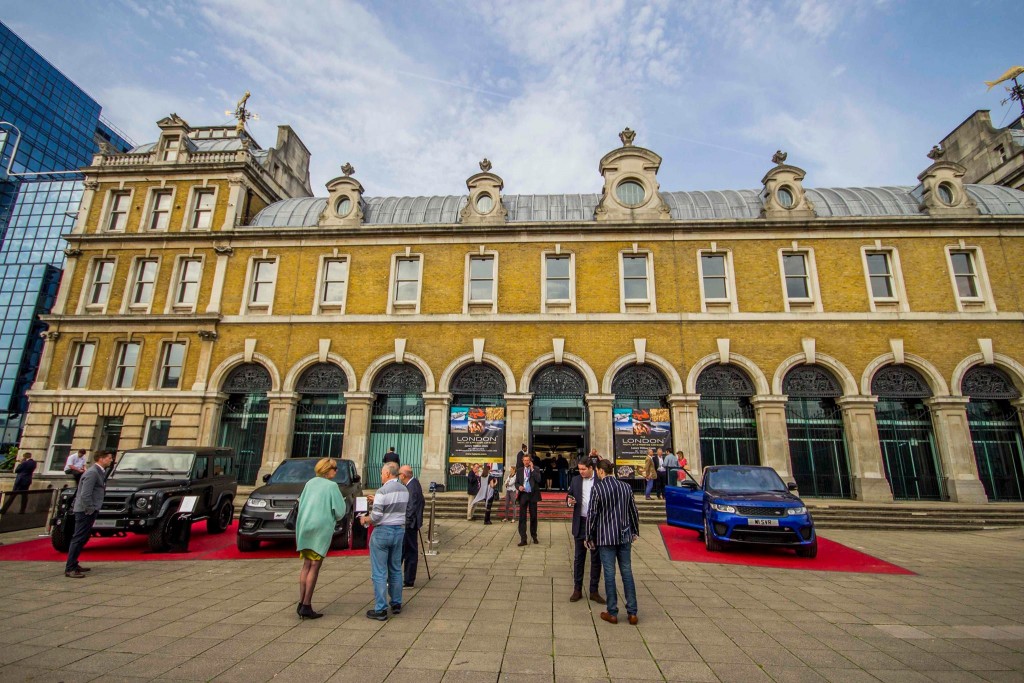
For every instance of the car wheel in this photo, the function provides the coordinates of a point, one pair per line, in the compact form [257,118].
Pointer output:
[247,545]
[221,518]
[60,534]
[158,536]
[712,544]
[808,551]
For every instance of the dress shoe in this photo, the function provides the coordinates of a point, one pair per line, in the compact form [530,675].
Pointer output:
[486,523]
[521,543]
[379,616]
[74,574]
[535,540]
[576,596]
[633,620]
[83,569]
[610,618]
[396,609]
[306,612]
[596,597]
[408,585]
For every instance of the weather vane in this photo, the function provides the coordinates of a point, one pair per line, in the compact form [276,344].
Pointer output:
[242,114]
[1016,90]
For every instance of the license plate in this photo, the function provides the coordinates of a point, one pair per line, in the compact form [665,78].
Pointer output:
[280,515]
[764,522]
[105,524]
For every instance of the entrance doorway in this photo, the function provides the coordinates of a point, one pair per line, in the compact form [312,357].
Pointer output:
[549,446]
[558,417]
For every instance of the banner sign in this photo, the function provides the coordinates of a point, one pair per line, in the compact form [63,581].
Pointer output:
[636,430]
[477,435]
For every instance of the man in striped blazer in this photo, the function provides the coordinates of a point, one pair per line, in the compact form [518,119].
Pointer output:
[613,523]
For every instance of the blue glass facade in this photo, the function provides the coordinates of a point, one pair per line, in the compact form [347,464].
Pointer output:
[60,129]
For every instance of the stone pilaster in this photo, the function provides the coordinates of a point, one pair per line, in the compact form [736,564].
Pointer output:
[867,472]
[46,359]
[1019,405]
[956,450]
[599,414]
[517,424]
[236,200]
[209,419]
[219,273]
[772,434]
[435,436]
[280,426]
[206,341]
[686,429]
[356,444]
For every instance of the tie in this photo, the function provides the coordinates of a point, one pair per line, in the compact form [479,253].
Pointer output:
[526,482]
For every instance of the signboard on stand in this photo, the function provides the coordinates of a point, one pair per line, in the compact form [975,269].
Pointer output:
[477,435]
[636,430]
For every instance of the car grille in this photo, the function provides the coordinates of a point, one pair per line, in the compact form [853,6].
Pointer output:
[753,511]
[281,503]
[115,502]
[760,534]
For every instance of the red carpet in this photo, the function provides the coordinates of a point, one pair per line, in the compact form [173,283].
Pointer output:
[683,545]
[133,548]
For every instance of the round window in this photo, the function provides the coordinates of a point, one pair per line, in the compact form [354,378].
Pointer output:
[343,207]
[946,194]
[630,193]
[484,203]
[785,197]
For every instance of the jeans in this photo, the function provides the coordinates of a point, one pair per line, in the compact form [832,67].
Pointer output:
[411,554]
[386,565]
[622,553]
[83,529]
[649,488]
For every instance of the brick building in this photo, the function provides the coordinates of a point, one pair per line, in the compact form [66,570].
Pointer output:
[864,341]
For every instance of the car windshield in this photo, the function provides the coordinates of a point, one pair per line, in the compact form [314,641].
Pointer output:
[134,463]
[745,480]
[301,470]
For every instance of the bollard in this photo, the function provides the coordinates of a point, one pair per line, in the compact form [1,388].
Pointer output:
[50,513]
[431,540]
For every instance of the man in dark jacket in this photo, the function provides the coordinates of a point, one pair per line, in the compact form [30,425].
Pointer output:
[612,526]
[88,501]
[413,523]
[528,481]
[22,482]
[580,491]
[391,456]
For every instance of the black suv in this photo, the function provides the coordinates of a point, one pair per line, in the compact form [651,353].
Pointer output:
[262,517]
[145,489]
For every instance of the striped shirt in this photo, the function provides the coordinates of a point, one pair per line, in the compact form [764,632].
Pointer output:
[389,504]
[613,515]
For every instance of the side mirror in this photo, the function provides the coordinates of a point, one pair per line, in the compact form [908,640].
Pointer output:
[266,478]
[791,486]
[688,484]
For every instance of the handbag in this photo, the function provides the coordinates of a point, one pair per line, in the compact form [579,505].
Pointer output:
[292,518]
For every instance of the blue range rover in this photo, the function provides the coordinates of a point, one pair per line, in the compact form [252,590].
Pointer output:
[740,504]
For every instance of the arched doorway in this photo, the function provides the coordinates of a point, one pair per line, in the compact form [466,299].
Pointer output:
[905,434]
[477,421]
[243,419]
[320,412]
[641,418]
[817,448]
[558,413]
[728,428]
[397,419]
[995,431]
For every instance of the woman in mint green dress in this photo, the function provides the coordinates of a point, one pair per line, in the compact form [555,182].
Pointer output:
[320,508]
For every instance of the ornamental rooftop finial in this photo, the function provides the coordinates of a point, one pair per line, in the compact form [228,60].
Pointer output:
[627,136]
[779,157]
[485,165]
[348,169]
[936,153]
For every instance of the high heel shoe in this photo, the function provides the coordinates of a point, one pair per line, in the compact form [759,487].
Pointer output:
[298,610]
[306,612]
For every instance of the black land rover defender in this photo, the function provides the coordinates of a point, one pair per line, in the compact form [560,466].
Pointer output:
[146,488]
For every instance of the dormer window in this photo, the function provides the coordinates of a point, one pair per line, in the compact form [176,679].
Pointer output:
[343,207]
[785,197]
[945,191]
[630,193]
[484,203]
[170,148]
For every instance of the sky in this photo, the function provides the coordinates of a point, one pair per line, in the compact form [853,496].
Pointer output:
[414,94]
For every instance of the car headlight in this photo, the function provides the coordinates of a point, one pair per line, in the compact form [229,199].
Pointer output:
[142,502]
[796,511]
[256,503]
[718,507]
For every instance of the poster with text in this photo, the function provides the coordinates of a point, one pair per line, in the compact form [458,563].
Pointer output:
[636,430]
[477,435]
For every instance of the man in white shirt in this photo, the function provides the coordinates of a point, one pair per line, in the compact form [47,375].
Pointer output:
[75,465]
[579,499]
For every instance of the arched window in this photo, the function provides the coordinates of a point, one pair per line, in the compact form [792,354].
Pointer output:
[728,429]
[558,413]
[995,431]
[641,418]
[397,418]
[817,448]
[243,421]
[905,434]
[320,412]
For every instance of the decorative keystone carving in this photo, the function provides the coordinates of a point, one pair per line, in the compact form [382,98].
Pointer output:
[207,335]
[627,137]
[72,252]
[942,191]
[783,197]
[223,249]
[631,190]
[348,169]
[484,206]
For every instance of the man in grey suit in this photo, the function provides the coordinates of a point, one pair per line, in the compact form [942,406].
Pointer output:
[413,522]
[88,501]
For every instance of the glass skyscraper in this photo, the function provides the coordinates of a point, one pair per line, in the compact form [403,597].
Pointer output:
[61,128]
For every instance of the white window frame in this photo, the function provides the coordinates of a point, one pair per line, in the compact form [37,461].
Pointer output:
[75,378]
[118,363]
[647,305]
[489,305]
[984,301]
[557,305]
[58,467]
[728,304]
[109,203]
[129,304]
[173,306]
[170,148]
[812,302]
[884,304]
[248,305]
[404,307]
[87,293]
[193,207]
[320,304]
[146,427]
[162,365]
[150,209]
